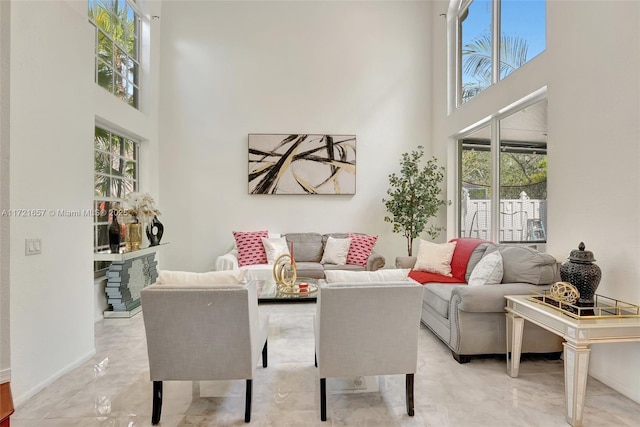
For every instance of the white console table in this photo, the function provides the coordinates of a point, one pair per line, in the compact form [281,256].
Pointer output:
[127,275]
[579,334]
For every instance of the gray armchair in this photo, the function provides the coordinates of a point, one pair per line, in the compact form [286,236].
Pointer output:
[200,332]
[365,329]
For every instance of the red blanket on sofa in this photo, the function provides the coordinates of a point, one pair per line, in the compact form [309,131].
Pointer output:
[459,261]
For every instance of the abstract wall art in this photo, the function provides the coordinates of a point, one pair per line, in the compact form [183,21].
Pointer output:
[302,164]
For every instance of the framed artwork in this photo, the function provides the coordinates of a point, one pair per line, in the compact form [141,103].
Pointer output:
[302,164]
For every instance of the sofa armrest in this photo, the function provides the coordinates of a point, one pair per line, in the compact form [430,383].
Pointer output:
[489,298]
[375,261]
[405,261]
[228,261]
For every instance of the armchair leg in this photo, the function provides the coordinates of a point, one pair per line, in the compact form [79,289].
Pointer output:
[323,399]
[157,403]
[264,355]
[409,384]
[247,405]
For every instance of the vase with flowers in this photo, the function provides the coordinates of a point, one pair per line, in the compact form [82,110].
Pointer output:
[141,208]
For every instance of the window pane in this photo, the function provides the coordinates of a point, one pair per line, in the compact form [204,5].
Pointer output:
[102,162]
[102,184]
[523,175]
[523,25]
[475,192]
[129,149]
[475,41]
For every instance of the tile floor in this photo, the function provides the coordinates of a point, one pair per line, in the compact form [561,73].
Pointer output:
[479,393]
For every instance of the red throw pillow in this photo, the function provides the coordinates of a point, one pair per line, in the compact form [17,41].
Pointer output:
[360,248]
[250,247]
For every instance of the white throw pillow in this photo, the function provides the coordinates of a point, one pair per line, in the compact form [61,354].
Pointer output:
[274,247]
[335,251]
[435,257]
[488,271]
[389,275]
[225,277]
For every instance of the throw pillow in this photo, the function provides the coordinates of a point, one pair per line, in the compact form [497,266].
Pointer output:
[250,247]
[488,271]
[435,257]
[360,248]
[335,251]
[274,247]
[226,277]
[389,275]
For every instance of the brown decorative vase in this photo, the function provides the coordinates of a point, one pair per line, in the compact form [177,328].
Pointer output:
[581,272]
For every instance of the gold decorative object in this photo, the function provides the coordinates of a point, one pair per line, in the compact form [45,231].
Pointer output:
[565,292]
[133,240]
[285,272]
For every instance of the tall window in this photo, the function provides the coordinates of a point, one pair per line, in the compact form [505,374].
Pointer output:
[117,41]
[503,178]
[495,38]
[116,175]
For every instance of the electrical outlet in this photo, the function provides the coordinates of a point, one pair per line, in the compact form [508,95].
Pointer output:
[32,246]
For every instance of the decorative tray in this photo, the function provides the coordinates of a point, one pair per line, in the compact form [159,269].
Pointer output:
[298,290]
[604,307]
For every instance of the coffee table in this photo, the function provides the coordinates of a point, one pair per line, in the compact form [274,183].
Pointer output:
[268,291]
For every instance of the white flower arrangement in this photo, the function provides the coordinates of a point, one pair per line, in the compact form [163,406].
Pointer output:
[141,206]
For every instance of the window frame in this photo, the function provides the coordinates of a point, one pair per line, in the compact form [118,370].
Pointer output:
[99,218]
[457,10]
[130,82]
[493,122]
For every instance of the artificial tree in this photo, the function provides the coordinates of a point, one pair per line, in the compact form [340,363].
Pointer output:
[415,197]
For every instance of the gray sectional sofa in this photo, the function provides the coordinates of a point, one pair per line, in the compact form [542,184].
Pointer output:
[470,320]
[309,248]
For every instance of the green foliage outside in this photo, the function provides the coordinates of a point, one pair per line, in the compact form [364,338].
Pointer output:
[415,197]
[518,172]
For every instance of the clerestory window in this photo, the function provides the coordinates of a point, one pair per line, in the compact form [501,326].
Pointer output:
[117,47]
[493,39]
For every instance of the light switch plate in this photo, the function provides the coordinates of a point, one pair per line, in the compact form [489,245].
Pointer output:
[32,246]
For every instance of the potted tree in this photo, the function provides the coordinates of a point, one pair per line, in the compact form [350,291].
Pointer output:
[415,197]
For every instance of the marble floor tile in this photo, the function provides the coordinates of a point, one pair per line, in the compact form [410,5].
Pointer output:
[113,389]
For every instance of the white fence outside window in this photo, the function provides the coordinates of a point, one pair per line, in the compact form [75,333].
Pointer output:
[521,220]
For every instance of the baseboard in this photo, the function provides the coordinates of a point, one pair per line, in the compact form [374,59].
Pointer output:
[5,376]
[24,397]
[620,388]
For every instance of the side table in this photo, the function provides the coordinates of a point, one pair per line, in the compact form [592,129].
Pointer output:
[579,334]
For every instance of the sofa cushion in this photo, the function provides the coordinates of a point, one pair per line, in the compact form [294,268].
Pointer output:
[335,251]
[305,247]
[250,247]
[366,276]
[274,247]
[527,265]
[346,267]
[226,277]
[312,270]
[476,256]
[488,271]
[435,257]
[360,248]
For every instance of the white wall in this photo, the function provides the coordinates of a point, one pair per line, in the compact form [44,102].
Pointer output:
[591,67]
[234,68]
[51,129]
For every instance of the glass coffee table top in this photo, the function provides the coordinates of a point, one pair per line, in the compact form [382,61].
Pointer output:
[304,290]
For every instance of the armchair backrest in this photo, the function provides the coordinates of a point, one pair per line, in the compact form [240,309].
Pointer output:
[201,332]
[368,328]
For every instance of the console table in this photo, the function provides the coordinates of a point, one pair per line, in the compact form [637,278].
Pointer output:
[578,333]
[128,273]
